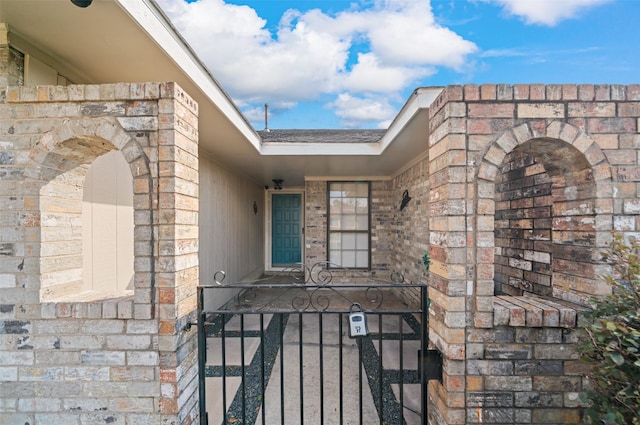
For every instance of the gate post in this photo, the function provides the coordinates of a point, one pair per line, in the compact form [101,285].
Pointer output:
[424,343]
[202,358]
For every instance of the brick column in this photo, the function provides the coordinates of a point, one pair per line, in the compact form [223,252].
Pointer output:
[177,260]
[449,202]
[11,61]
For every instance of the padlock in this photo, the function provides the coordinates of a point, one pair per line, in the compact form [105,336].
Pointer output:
[357,322]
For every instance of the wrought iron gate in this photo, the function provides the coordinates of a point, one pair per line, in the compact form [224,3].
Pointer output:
[281,351]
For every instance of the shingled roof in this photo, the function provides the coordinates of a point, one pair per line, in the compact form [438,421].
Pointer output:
[321,136]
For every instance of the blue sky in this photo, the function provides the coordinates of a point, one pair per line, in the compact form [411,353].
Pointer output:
[353,64]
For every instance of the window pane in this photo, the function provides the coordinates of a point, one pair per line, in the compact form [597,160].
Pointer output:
[335,222]
[335,241]
[362,259]
[335,192]
[348,241]
[362,241]
[348,222]
[349,206]
[348,259]
[362,191]
[362,206]
[349,189]
[334,257]
[362,222]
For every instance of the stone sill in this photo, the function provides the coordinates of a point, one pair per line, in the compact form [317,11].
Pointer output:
[536,312]
[96,305]
[94,297]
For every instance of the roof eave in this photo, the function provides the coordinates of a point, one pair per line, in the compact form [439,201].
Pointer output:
[153,20]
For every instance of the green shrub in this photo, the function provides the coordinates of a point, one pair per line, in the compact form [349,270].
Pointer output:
[613,346]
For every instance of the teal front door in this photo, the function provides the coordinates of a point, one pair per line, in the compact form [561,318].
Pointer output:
[286,235]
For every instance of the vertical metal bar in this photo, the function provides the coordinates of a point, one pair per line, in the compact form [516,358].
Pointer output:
[341,383]
[424,341]
[359,342]
[202,357]
[223,348]
[281,315]
[380,374]
[401,353]
[321,360]
[242,369]
[262,368]
[301,371]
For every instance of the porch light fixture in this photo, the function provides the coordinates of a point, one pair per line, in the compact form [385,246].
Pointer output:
[82,3]
[405,200]
[277,184]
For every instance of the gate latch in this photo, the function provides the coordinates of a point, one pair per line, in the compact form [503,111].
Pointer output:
[357,321]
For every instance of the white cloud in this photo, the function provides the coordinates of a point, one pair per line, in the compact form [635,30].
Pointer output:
[369,75]
[398,42]
[355,110]
[547,12]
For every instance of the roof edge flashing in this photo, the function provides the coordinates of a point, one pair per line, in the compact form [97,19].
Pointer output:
[150,17]
[320,149]
[420,99]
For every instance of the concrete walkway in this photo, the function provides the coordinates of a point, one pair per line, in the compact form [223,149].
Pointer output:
[330,361]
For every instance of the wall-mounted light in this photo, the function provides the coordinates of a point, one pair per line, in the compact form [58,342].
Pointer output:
[405,200]
[277,184]
[82,3]
[255,207]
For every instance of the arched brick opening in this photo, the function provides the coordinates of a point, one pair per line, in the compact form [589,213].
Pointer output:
[548,194]
[59,164]
[545,223]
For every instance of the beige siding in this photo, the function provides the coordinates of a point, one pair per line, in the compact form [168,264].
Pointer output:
[39,73]
[107,228]
[231,234]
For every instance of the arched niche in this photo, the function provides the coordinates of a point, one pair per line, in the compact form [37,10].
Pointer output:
[549,194]
[82,178]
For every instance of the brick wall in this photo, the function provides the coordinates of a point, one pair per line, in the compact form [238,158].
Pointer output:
[382,223]
[549,172]
[523,227]
[116,360]
[11,61]
[398,238]
[523,375]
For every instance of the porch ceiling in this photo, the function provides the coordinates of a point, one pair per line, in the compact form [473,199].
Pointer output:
[132,41]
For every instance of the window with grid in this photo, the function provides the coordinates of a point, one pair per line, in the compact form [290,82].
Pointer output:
[349,224]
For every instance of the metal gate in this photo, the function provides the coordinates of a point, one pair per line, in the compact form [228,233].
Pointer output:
[299,348]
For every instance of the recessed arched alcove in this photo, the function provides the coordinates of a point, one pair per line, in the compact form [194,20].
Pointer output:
[545,223]
[82,191]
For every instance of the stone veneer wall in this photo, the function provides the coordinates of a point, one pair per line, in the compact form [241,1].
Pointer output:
[120,360]
[512,359]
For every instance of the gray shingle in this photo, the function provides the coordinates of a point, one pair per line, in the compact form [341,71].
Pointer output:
[321,136]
